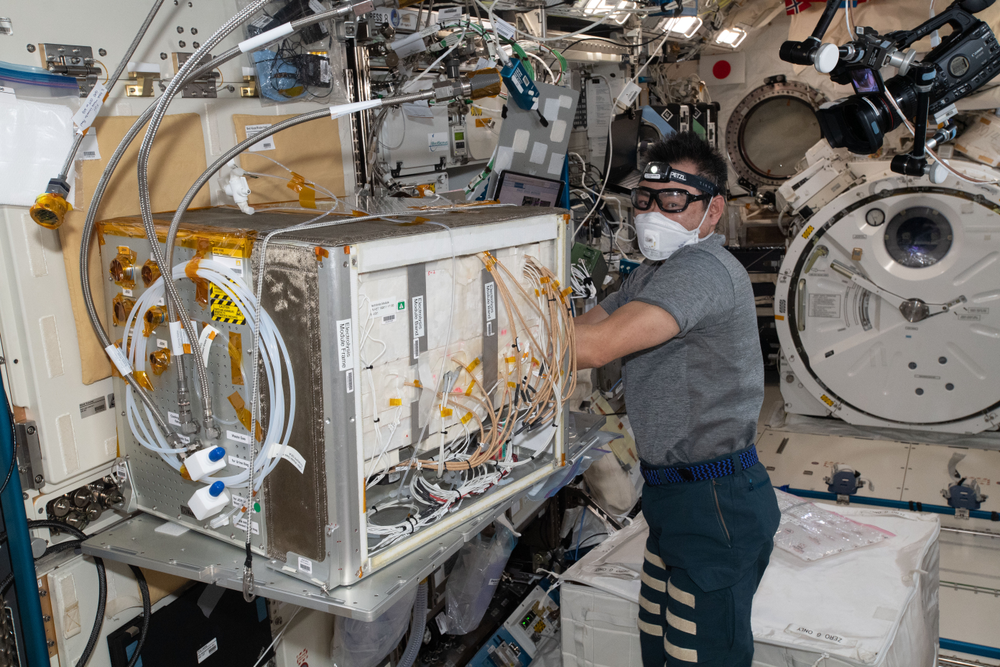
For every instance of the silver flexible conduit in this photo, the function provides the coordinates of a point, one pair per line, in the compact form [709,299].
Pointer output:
[112,80]
[95,203]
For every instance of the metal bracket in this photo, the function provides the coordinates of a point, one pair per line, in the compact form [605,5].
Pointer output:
[143,84]
[397,171]
[440,165]
[123,476]
[29,463]
[71,60]
[249,87]
[202,87]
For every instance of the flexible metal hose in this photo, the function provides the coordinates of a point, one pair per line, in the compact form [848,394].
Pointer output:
[175,308]
[111,82]
[88,228]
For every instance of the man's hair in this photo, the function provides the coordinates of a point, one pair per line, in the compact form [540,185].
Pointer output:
[689,147]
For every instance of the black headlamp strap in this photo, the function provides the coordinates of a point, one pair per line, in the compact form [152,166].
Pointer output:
[661,171]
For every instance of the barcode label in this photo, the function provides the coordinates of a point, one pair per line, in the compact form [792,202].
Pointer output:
[6,26]
[350,380]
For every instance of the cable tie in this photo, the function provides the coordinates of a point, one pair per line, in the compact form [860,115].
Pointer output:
[368,368]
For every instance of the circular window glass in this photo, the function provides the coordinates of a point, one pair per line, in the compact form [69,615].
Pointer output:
[776,135]
[918,237]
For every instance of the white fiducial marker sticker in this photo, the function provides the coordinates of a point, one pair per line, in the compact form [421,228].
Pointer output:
[558,131]
[538,153]
[551,109]
[521,139]
[565,101]
[118,358]
[556,164]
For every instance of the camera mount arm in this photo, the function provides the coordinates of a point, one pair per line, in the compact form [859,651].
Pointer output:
[915,162]
[812,51]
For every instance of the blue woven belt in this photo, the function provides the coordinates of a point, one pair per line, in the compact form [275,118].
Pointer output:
[700,472]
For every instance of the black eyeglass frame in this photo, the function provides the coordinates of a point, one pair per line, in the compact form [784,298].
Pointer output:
[654,195]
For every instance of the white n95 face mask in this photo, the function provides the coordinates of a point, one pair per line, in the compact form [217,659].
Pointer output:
[660,237]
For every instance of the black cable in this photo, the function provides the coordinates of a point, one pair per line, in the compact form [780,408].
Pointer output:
[102,581]
[6,584]
[147,611]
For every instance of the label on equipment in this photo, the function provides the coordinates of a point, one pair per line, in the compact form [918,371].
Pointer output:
[6,26]
[824,305]
[628,95]
[503,28]
[349,380]
[384,307]
[265,144]
[118,358]
[242,525]
[345,351]
[162,344]
[173,419]
[491,301]
[449,14]
[207,650]
[179,340]
[91,408]
[224,309]
[417,310]
[89,150]
[231,258]
[291,455]
[85,116]
[7,91]
[305,565]
[237,437]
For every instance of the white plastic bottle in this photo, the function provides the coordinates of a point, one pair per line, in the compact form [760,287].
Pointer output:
[208,500]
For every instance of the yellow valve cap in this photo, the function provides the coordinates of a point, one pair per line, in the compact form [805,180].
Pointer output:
[49,210]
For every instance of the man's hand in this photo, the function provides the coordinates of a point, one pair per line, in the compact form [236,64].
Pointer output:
[634,327]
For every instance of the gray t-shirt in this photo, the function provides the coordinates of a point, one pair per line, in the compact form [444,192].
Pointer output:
[697,396]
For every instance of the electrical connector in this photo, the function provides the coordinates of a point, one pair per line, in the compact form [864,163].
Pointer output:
[50,208]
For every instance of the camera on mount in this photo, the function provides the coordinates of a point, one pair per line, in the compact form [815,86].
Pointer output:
[965,59]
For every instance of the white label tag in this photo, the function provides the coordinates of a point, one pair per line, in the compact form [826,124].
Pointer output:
[6,26]
[238,501]
[316,7]
[162,344]
[349,380]
[385,307]
[442,622]
[207,650]
[85,116]
[89,150]
[345,352]
[118,358]
[628,95]
[437,141]
[7,91]
[234,264]
[179,340]
[494,582]
[503,28]
[173,419]
[449,14]
[126,292]
[483,63]
[265,144]
[291,455]
[237,462]
[417,310]
[305,565]
[242,525]
[237,437]
[491,301]
[418,109]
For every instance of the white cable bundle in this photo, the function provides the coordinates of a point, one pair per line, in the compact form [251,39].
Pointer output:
[274,355]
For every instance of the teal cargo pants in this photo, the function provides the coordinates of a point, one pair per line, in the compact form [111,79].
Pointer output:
[709,543]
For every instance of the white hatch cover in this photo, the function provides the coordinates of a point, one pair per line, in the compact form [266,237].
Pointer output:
[888,305]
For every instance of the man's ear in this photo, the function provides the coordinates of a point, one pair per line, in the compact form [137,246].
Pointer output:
[715,210]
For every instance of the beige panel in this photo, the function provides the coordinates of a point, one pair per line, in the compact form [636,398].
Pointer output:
[311,149]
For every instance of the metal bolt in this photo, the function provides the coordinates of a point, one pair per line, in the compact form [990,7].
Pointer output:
[182,43]
[102,52]
[25,495]
[163,56]
[1,361]
[39,479]
[345,265]
[180,30]
[42,593]
[16,360]
[31,430]
[196,45]
[31,48]
[194,31]
[231,89]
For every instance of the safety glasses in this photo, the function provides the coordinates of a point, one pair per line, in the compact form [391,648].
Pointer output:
[669,200]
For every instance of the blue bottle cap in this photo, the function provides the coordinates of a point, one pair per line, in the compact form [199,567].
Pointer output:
[217,454]
[216,489]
